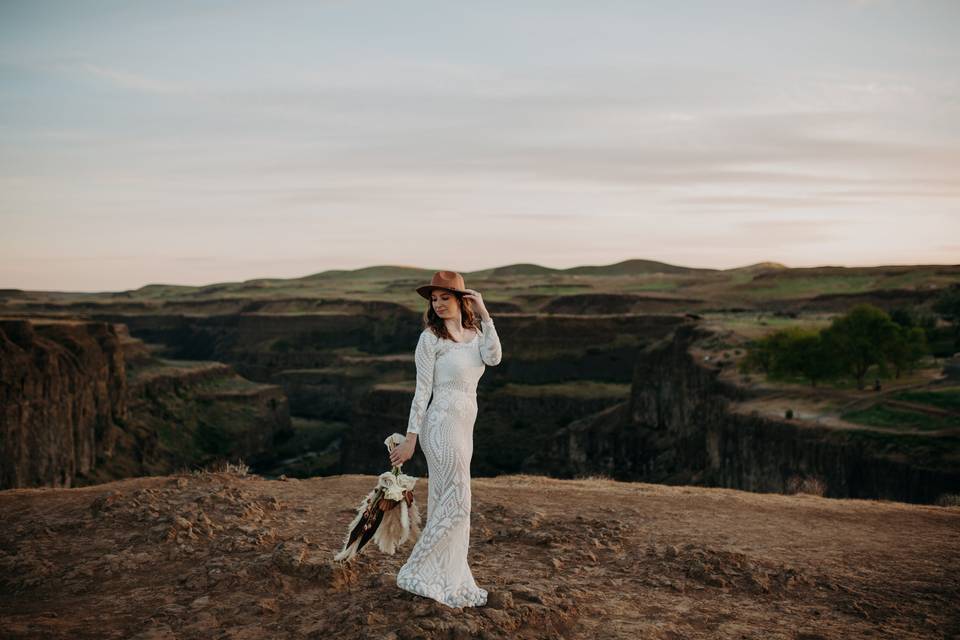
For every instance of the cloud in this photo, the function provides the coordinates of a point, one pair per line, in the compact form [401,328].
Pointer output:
[790,232]
[130,80]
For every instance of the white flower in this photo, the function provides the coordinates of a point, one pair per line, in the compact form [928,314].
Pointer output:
[394,485]
[393,440]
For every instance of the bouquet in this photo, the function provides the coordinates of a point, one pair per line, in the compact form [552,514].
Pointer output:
[388,515]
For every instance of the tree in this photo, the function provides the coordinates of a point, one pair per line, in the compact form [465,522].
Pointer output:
[807,354]
[909,346]
[793,351]
[948,306]
[759,356]
[860,339]
[913,317]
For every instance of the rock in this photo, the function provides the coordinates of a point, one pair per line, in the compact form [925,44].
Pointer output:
[172,609]
[499,600]
[203,624]
[288,557]
[524,593]
[412,632]
[159,632]
[72,376]
[759,581]
[103,503]
[376,618]
[714,580]
[267,605]
[461,632]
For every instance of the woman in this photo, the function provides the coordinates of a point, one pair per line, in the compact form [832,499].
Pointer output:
[451,355]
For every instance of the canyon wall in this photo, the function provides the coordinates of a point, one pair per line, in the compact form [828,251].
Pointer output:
[680,425]
[574,395]
[62,397]
[81,402]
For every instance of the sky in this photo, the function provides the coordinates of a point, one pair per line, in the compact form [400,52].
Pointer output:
[200,142]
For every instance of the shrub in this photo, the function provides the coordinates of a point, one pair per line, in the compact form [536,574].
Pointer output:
[948,500]
[225,466]
[806,484]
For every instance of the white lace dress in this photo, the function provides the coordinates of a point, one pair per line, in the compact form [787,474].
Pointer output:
[449,371]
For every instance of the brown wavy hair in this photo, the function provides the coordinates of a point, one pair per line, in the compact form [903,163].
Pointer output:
[468,319]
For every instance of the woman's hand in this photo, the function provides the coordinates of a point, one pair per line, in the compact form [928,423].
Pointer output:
[403,451]
[477,301]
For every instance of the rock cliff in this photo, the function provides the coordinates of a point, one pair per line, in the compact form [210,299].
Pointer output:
[681,425]
[63,397]
[83,402]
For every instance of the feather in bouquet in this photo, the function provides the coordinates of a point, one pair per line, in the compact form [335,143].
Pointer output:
[388,514]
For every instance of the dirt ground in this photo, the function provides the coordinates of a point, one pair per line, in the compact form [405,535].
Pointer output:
[222,555]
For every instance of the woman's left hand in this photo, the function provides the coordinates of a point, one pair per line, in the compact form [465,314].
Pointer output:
[477,301]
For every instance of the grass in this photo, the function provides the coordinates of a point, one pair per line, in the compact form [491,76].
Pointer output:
[786,286]
[311,450]
[948,500]
[310,435]
[656,285]
[193,424]
[576,389]
[404,386]
[228,384]
[947,399]
[756,325]
[239,469]
[899,419]
[395,284]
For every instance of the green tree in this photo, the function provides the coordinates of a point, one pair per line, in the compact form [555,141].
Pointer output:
[805,352]
[764,353]
[861,338]
[914,317]
[759,356]
[947,305]
[906,350]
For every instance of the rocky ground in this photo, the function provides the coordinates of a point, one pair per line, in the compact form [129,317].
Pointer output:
[233,556]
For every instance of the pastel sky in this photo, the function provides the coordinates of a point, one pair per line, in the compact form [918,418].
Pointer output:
[198,142]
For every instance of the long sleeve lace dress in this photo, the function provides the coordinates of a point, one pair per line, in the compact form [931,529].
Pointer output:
[449,371]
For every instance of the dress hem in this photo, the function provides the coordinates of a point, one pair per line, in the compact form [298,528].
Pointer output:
[478,600]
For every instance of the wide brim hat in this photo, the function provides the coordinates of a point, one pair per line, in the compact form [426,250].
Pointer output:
[449,280]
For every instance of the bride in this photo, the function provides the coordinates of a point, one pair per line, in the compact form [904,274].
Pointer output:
[451,354]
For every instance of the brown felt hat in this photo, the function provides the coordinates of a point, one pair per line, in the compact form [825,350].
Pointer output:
[449,280]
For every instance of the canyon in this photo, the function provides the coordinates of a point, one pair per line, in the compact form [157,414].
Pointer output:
[630,385]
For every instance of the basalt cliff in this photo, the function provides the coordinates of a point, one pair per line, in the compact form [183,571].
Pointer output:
[684,423]
[83,402]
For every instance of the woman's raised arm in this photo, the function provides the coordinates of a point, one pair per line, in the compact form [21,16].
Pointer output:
[490,351]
